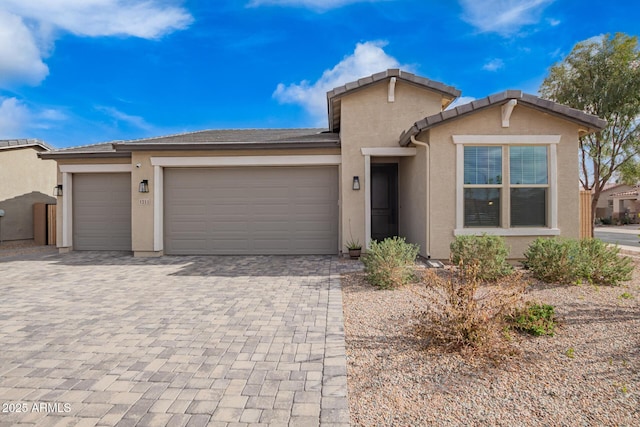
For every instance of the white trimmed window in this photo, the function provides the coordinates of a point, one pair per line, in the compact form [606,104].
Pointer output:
[506,185]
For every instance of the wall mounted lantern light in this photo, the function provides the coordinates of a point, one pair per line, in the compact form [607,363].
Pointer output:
[144,186]
[57,190]
[356,183]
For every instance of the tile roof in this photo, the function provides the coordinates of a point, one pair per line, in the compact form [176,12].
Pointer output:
[103,149]
[632,193]
[591,122]
[210,139]
[334,95]
[21,143]
[241,135]
[394,72]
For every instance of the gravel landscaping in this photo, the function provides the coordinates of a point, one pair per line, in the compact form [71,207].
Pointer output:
[588,374]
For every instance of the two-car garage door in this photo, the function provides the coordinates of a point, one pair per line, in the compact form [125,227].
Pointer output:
[251,210]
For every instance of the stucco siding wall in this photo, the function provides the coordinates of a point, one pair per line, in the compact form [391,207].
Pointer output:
[142,215]
[22,172]
[26,179]
[369,120]
[524,121]
[412,183]
[142,204]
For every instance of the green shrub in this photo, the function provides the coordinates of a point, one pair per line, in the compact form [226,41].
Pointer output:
[535,319]
[575,261]
[602,264]
[389,263]
[553,260]
[488,253]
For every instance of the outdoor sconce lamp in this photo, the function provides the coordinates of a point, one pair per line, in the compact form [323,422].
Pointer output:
[356,183]
[144,186]
[57,190]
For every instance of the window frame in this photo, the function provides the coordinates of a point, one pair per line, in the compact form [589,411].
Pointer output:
[506,141]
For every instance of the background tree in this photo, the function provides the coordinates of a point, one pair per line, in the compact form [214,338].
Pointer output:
[601,76]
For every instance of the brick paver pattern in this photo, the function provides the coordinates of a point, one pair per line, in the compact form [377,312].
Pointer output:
[102,338]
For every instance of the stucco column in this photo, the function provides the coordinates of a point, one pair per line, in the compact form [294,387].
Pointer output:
[367,201]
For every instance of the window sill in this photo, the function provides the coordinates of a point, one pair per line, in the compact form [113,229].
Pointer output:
[533,231]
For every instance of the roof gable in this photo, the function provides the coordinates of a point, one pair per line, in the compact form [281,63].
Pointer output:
[448,93]
[590,122]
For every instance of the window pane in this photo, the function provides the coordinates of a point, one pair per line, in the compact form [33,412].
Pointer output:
[528,165]
[483,165]
[528,207]
[481,207]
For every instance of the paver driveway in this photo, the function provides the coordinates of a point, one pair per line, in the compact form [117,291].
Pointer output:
[91,338]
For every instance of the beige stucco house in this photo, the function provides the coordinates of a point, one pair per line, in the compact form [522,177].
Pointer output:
[393,161]
[604,208]
[26,179]
[625,204]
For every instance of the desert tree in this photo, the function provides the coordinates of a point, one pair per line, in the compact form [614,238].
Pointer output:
[601,76]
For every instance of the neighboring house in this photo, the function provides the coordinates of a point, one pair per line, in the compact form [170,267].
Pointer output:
[626,204]
[604,209]
[26,179]
[392,162]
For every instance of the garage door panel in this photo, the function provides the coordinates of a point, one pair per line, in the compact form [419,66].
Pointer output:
[102,211]
[251,210]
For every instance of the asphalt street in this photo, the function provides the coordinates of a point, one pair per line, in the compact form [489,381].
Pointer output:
[627,236]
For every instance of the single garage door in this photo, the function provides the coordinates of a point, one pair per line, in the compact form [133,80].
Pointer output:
[102,211]
[251,210]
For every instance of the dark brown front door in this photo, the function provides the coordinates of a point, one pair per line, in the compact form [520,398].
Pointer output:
[384,200]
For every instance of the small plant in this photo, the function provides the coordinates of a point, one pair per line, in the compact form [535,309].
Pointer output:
[487,253]
[577,261]
[354,248]
[570,353]
[354,244]
[535,319]
[626,295]
[622,387]
[389,263]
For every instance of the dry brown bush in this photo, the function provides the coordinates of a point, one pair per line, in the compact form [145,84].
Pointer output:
[468,315]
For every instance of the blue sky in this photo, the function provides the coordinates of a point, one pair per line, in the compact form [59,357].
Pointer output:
[76,72]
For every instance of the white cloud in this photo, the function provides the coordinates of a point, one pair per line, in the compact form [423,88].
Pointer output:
[311,4]
[28,28]
[368,58]
[147,19]
[20,58]
[503,16]
[16,118]
[493,65]
[120,117]
[461,101]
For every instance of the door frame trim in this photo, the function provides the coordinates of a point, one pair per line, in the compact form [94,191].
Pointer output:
[67,172]
[159,163]
[369,152]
